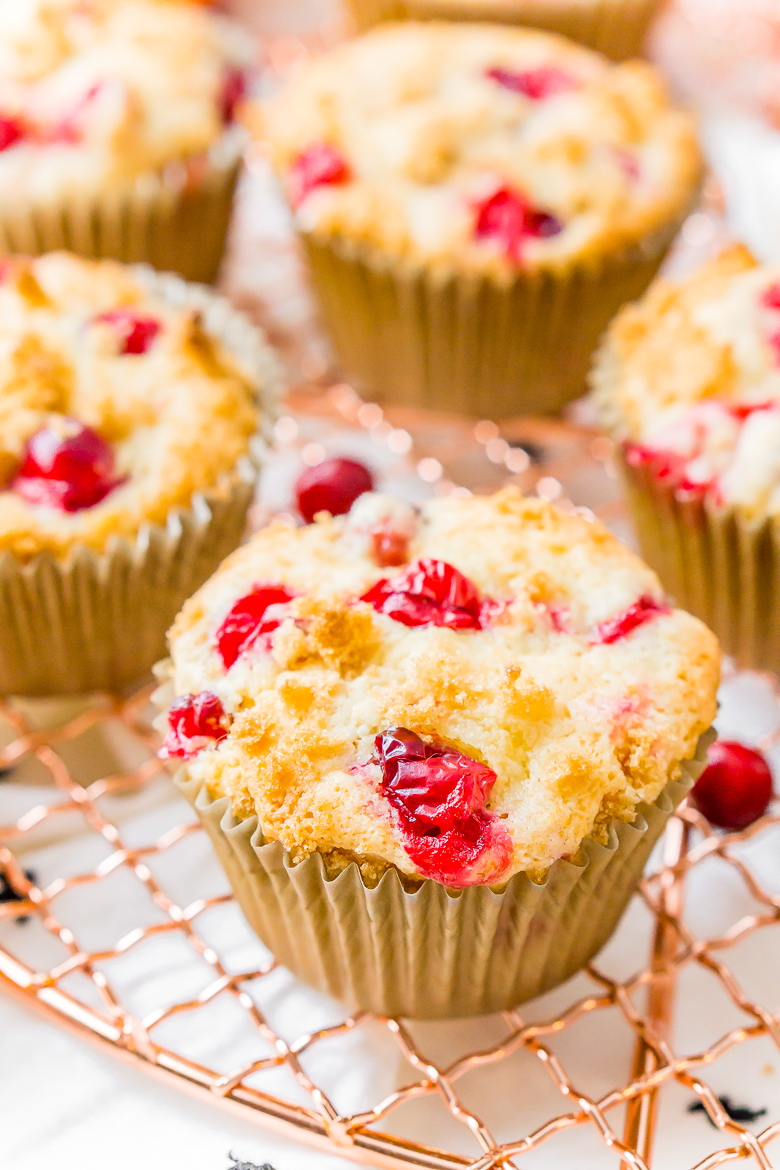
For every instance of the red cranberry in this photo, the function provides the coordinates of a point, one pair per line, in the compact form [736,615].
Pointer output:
[440,796]
[251,620]
[71,472]
[507,217]
[389,548]
[135,331]
[431,593]
[536,84]
[194,722]
[623,624]
[320,165]
[232,93]
[774,344]
[12,131]
[69,130]
[668,467]
[770,297]
[735,788]
[332,486]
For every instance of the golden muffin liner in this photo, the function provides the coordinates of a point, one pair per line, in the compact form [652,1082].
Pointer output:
[468,342]
[614,27]
[97,621]
[714,561]
[175,220]
[434,953]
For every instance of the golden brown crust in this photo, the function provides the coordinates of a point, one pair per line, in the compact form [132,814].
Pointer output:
[576,732]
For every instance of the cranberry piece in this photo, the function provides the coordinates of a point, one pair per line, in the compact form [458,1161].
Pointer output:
[536,84]
[231,94]
[440,796]
[508,217]
[431,593]
[320,165]
[252,619]
[69,130]
[668,467]
[69,472]
[194,722]
[332,486]
[623,624]
[135,331]
[770,297]
[12,131]
[735,788]
[389,548]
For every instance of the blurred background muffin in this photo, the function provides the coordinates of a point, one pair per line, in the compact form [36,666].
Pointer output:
[615,27]
[118,132]
[476,202]
[131,406]
[688,383]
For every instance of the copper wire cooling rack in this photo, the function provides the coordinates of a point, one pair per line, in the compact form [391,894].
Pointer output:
[98,885]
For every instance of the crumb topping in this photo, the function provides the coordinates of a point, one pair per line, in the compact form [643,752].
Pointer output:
[115,406]
[689,381]
[480,147]
[94,94]
[535,727]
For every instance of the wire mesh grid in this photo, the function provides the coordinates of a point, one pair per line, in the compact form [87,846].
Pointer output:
[93,766]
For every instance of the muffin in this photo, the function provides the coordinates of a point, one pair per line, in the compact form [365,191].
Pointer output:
[117,130]
[688,383]
[614,27]
[130,405]
[434,767]
[476,202]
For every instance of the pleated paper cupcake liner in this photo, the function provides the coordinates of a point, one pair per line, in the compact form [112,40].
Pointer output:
[434,953]
[466,342]
[715,562]
[97,621]
[615,27]
[174,220]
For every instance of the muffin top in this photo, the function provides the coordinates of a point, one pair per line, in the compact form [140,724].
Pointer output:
[377,688]
[480,147]
[689,380]
[94,94]
[116,406]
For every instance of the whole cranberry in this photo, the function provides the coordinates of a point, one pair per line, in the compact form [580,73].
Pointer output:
[332,486]
[232,93]
[251,621]
[194,722]
[320,165]
[12,131]
[536,84]
[735,788]
[507,217]
[69,471]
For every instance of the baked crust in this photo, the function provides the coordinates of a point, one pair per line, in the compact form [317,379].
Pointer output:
[180,417]
[425,132]
[577,733]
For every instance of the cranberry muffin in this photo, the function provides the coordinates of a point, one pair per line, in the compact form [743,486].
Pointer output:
[476,203]
[379,712]
[615,27]
[130,407]
[117,130]
[688,383]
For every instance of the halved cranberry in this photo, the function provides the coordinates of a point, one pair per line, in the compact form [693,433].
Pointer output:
[536,84]
[735,788]
[194,722]
[12,131]
[231,94]
[332,486]
[508,217]
[135,331]
[252,618]
[320,165]
[623,624]
[432,593]
[440,796]
[70,472]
